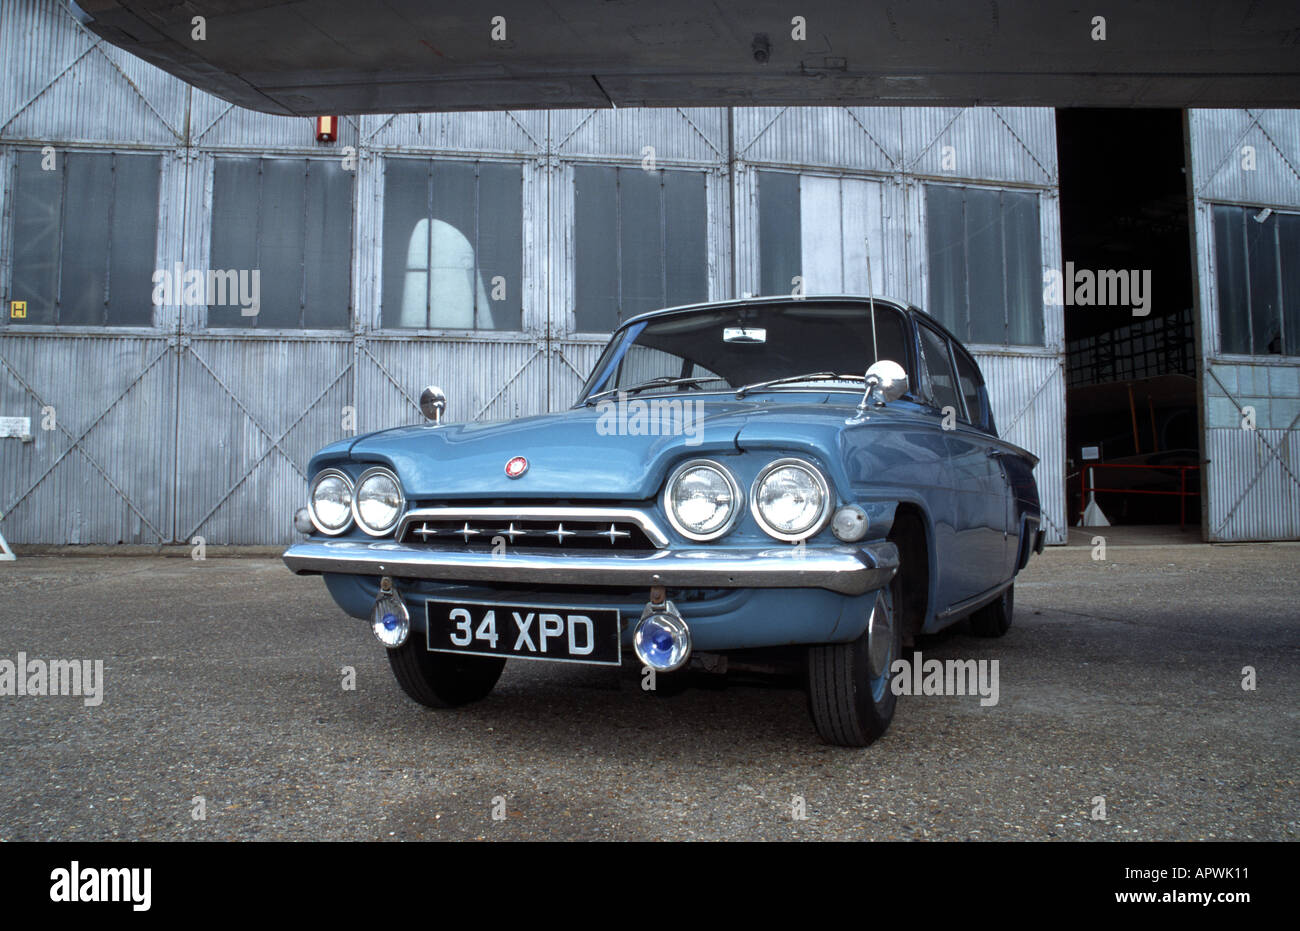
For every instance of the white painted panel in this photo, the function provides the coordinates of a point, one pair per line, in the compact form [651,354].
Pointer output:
[820,240]
[841,220]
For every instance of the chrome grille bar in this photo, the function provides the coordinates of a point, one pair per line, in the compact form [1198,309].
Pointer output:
[587,522]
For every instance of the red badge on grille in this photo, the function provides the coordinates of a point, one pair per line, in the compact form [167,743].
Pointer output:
[516,467]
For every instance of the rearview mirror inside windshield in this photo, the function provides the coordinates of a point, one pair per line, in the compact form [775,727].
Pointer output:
[744,334]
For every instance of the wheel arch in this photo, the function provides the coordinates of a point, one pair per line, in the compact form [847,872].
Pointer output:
[913,533]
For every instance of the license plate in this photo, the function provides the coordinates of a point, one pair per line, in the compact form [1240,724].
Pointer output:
[562,634]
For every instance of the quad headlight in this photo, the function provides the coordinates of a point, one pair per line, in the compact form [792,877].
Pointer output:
[791,499]
[330,502]
[702,499]
[378,502]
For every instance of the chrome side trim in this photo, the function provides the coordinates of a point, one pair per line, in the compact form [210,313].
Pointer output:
[848,570]
[975,602]
[537,512]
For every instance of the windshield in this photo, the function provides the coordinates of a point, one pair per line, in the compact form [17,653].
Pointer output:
[717,349]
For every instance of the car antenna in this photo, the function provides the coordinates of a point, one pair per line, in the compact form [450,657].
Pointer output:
[861,414]
[871,301]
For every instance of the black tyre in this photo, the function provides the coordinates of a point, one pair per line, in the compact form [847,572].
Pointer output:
[443,680]
[849,696]
[994,620]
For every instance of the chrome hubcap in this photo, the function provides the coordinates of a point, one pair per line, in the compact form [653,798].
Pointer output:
[880,636]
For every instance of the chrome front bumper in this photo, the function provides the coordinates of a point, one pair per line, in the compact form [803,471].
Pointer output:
[848,570]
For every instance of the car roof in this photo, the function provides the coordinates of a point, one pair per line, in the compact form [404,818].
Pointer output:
[865,300]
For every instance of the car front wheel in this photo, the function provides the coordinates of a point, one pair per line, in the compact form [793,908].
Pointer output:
[443,680]
[848,683]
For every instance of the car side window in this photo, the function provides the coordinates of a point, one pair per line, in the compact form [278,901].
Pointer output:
[939,374]
[970,383]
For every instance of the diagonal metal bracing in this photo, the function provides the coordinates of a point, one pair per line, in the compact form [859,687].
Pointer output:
[77,440]
[699,132]
[389,375]
[1230,152]
[537,351]
[574,368]
[581,123]
[524,129]
[862,126]
[759,135]
[1030,403]
[139,93]
[96,46]
[275,441]
[937,136]
[1273,453]
[41,93]
[198,136]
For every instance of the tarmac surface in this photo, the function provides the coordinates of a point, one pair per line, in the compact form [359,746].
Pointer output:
[1120,684]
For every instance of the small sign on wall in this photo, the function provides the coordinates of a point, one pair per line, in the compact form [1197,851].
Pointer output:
[20,427]
[17,310]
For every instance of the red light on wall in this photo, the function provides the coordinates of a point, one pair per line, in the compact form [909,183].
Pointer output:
[327,128]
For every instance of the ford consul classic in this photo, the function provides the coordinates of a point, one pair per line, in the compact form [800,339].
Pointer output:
[820,475]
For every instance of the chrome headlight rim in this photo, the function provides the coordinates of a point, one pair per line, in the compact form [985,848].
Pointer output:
[311,501]
[356,496]
[737,499]
[823,516]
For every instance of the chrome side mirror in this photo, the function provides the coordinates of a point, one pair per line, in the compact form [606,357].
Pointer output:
[886,381]
[433,403]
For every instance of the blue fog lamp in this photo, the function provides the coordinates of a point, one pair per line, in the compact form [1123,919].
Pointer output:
[389,619]
[662,640]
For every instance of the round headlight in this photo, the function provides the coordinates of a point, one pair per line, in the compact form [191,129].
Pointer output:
[701,499]
[378,501]
[791,499]
[330,502]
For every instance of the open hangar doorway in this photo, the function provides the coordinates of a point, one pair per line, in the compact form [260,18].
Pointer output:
[1133,438]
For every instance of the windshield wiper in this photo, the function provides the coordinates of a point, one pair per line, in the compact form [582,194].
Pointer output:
[811,376]
[663,381]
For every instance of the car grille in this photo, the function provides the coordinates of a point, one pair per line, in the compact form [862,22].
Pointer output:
[536,529]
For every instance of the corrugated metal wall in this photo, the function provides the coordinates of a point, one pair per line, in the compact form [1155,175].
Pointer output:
[1252,477]
[176,430]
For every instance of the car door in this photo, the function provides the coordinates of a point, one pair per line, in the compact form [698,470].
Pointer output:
[976,509]
[978,427]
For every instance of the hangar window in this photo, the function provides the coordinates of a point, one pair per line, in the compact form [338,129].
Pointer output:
[84,238]
[780,231]
[453,245]
[986,264]
[639,243]
[1258,257]
[290,221]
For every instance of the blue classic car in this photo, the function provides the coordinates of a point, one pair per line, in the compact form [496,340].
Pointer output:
[821,475]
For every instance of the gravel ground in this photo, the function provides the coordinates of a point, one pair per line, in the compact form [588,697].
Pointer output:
[1121,678]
